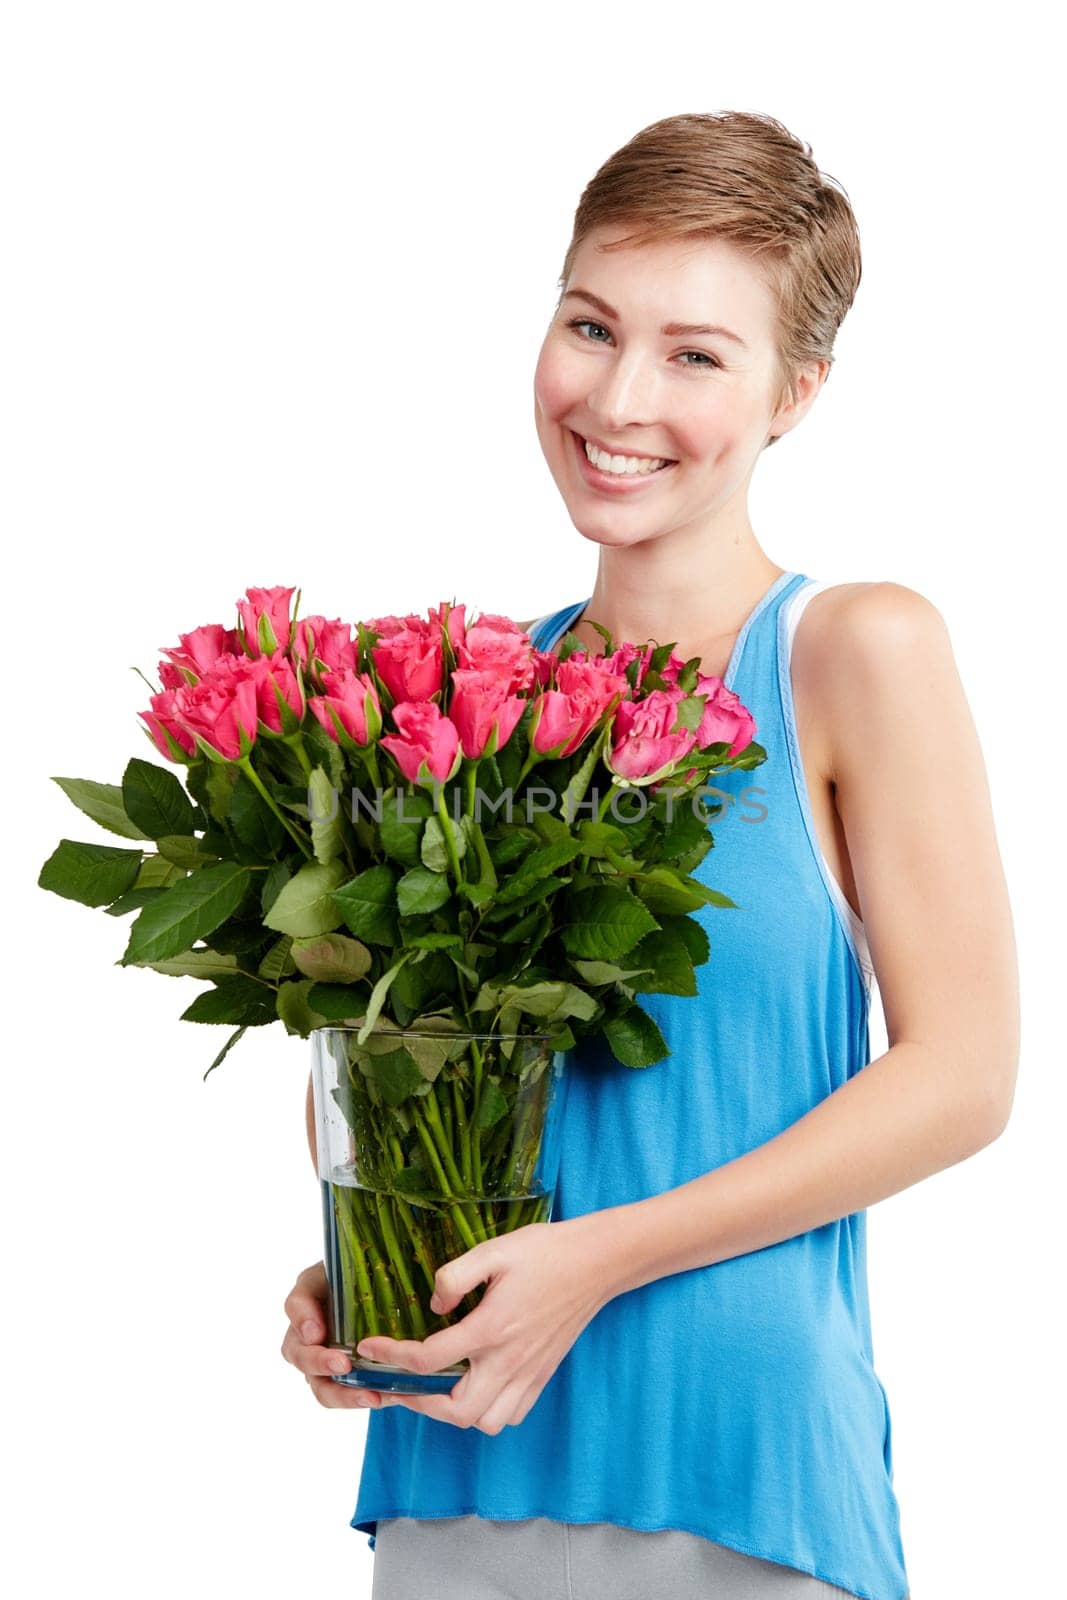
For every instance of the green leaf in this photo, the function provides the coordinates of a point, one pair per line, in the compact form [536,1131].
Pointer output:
[305,905]
[102,802]
[634,1038]
[324,811]
[603,924]
[694,936]
[332,958]
[253,821]
[538,865]
[434,851]
[278,962]
[536,892]
[713,898]
[234,999]
[224,1052]
[421,890]
[295,1011]
[487,878]
[158,873]
[395,1073]
[549,1000]
[155,801]
[194,964]
[215,787]
[606,971]
[665,893]
[403,817]
[132,900]
[377,996]
[666,954]
[275,877]
[492,1104]
[574,793]
[428,1054]
[433,941]
[182,850]
[188,911]
[337,1002]
[238,936]
[92,874]
[367,904]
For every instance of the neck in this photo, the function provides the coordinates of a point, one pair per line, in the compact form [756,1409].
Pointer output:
[697,596]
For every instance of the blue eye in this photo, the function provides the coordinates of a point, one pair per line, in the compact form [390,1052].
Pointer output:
[708,363]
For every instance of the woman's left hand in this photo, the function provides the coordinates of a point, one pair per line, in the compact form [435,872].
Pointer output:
[546,1281]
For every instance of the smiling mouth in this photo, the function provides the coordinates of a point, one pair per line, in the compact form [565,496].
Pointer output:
[624,477]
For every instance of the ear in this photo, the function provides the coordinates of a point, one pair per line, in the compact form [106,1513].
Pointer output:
[793,407]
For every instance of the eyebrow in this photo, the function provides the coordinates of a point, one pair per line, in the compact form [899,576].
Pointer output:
[671,329]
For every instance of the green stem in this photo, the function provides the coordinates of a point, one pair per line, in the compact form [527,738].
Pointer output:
[400,1266]
[418,1241]
[446,826]
[464,1132]
[296,742]
[371,760]
[245,763]
[602,809]
[471,776]
[348,1229]
[384,1286]
[424,1123]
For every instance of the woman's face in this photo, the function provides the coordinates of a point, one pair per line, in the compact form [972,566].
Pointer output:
[609,373]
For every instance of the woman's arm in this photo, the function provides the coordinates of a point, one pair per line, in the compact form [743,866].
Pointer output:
[913,797]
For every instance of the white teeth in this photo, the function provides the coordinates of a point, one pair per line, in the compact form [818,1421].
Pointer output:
[625,466]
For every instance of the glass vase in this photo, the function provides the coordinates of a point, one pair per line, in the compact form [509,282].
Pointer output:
[430,1140]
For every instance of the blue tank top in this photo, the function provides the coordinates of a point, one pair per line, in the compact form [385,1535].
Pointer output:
[736,1401]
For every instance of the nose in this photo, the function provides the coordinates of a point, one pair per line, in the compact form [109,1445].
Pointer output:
[624,395]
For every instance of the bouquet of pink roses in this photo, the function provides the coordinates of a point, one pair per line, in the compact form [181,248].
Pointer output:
[381,829]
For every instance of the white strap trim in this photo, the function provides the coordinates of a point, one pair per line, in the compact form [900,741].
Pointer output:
[795,610]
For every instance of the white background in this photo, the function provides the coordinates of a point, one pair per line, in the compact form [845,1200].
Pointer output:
[274,282]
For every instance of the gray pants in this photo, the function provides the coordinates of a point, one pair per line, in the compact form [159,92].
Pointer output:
[535,1558]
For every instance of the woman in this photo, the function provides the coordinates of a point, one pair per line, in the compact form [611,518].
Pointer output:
[671,1386]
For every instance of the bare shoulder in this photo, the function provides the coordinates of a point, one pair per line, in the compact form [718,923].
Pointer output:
[848,613]
[857,645]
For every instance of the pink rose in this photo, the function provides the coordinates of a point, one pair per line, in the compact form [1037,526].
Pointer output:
[503,651]
[221,706]
[315,639]
[162,720]
[346,699]
[266,612]
[482,707]
[644,745]
[725,717]
[427,745]
[455,626]
[410,663]
[385,627]
[544,665]
[565,716]
[197,652]
[276,684]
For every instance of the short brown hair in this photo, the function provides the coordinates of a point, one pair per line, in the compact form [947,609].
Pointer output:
[743,177]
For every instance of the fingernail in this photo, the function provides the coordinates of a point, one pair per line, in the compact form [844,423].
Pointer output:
[361,1350]
[309,1331]
[338,1364]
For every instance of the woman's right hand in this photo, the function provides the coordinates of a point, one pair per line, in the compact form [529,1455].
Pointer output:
[305,1306]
